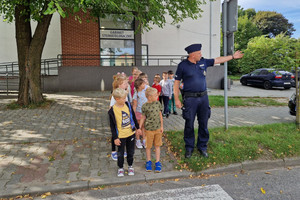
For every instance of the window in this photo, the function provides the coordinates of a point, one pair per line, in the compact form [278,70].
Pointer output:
[254,73]
[116,42]
[145,61]
[112,21]
[264,72]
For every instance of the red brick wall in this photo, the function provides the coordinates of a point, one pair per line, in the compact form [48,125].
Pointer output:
[80,39]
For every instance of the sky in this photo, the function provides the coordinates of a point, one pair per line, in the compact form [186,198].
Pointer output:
[290,9]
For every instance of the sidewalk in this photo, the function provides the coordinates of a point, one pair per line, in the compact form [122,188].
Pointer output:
[66,147]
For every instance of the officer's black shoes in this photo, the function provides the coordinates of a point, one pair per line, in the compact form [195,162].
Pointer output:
[175,113]
[167,115]
[188,153]
[204,153]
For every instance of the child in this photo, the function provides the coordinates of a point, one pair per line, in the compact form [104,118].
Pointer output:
[130,78]
[156,85]
[134,77]
[166,91]
[139,98]
[144,76]
[153,121]
[123,123]
[120,81]
[160,96]
[172,100]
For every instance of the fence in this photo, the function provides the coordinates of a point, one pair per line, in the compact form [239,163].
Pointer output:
[9,74]
[9,71]
[119,60]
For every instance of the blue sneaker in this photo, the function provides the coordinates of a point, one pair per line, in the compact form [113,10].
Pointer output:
[148,166]
[114,156]
[157,167]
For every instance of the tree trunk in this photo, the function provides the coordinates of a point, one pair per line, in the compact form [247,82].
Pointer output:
[30,50]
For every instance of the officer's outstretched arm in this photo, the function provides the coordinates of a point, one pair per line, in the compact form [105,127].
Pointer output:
[176,94]
[222,59]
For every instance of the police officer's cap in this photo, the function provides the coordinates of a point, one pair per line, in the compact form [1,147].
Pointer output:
[193,47]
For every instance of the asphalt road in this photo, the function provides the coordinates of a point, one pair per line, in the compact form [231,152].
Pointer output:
[273,184]
[237,89]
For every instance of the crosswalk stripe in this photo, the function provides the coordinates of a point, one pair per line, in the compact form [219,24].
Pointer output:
[214,192]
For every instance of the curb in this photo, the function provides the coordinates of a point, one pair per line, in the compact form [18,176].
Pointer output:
[138,178]
[255,165]
[92,183]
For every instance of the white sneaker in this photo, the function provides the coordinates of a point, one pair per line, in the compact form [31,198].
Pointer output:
[139,144]
[144,144]
[120,172]
[114,155]
[130,171]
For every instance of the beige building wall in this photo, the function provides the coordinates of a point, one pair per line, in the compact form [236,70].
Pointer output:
[172,39]
[8,47]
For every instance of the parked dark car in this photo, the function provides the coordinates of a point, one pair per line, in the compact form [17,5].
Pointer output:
[292,104]
[268,78]
[294,73]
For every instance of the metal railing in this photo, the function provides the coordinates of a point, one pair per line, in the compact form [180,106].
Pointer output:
[119,60]
[9,74]
[9,71]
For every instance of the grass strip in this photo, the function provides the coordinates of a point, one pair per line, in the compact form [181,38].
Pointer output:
[238,144]
[218,101]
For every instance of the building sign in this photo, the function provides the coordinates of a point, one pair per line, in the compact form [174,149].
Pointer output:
[116,34]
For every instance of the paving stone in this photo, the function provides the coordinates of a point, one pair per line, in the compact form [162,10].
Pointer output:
[15,178]
[11,192]
[51,173]
[3,183]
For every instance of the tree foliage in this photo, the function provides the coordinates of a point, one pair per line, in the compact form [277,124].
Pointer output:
[246,31]
[30,45]
[250,12]
[279,52]
[253,24]
[273,23]
[145,11]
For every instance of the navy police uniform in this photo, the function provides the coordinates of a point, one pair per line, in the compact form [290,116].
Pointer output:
[195,101]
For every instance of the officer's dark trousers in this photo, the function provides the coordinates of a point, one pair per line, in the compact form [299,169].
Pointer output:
[196,106]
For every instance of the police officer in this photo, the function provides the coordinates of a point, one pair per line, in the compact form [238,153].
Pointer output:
[192,72]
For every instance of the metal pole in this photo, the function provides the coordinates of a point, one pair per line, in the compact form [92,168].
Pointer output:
[6,81]
[12,69]
[210,30]
[225,64]
[297,95]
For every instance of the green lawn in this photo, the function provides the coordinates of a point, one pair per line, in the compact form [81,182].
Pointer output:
[238,144]
[218,101]
[235,77]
